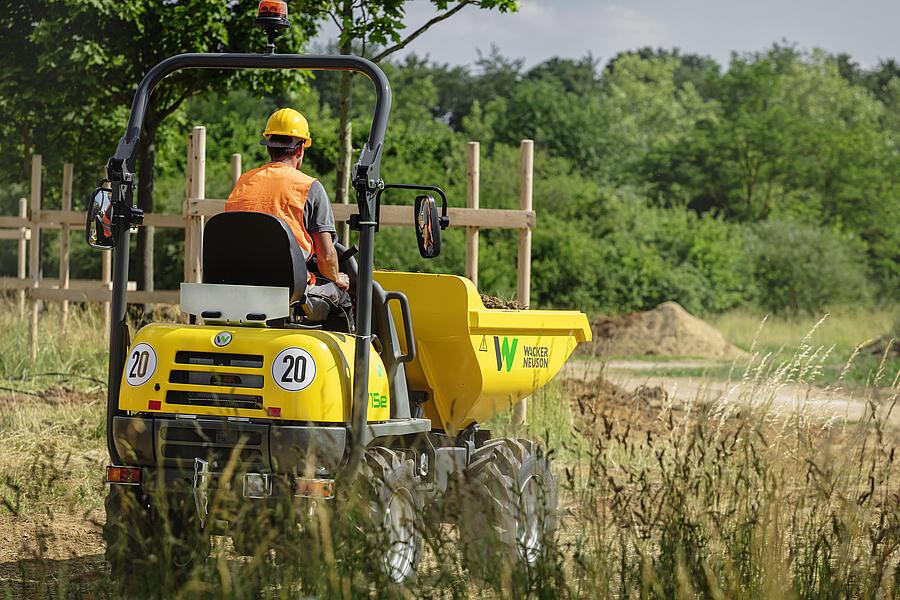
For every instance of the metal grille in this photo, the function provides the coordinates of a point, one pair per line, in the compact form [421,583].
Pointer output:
[180,441]
[209,359]
[209,398]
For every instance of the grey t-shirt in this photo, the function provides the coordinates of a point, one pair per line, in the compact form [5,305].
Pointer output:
[317,215]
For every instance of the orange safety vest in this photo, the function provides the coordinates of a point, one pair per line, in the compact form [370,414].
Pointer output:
[279,190]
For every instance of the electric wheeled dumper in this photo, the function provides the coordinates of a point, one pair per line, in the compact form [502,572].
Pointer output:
[252,402]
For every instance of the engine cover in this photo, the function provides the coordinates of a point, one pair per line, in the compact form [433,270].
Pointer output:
[287,374]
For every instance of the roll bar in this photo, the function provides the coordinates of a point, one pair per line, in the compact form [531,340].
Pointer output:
[366,181]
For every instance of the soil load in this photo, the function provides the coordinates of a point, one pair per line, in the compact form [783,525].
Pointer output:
[667,330]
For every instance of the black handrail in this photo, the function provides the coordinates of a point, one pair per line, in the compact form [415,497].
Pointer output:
[366,182]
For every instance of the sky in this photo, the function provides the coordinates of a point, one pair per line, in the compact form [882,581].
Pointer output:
[865,29]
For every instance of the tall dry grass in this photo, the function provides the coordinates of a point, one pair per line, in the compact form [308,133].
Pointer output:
[735,495]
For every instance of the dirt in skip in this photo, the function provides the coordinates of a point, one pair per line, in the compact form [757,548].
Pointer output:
[496,302]
[667,330]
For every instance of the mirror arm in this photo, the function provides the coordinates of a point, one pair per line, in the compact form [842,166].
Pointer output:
[444,219]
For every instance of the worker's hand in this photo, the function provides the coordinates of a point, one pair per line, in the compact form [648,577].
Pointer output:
[342,281]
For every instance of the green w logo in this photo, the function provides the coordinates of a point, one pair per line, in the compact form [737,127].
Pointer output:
[505,353]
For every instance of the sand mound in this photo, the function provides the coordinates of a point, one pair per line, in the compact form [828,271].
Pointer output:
[667,330]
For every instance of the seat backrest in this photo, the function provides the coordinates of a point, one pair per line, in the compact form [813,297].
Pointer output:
[252,248]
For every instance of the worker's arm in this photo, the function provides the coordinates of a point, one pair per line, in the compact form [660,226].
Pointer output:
[327,259]
[319,222]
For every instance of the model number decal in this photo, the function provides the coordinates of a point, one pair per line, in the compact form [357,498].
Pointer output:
[141,364]
[377,400]
[293,369]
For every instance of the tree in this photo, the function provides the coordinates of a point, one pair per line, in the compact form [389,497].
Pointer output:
[73,65]
[374,29]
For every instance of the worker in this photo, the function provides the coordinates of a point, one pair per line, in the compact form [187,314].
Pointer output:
[279,188]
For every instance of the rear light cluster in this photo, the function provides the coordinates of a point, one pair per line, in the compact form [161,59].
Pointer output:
[314,488]
[123,475]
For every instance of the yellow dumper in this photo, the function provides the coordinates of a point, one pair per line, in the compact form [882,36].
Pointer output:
[255,402]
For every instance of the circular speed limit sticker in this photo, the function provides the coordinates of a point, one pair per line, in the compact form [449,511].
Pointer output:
[141,364]
[294,369]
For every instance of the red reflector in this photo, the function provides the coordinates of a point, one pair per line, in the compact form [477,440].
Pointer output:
[273,411]
[123,475]
[154,404]
[272,8]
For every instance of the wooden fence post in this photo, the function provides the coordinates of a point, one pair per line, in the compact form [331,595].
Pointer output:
[149,268]
[35,251]
[235,168]
[68,175]
[473,200]
[523,274]
[186,277]
[197,191]
[21,271]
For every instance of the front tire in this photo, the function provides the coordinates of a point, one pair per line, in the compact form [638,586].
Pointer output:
[508,516]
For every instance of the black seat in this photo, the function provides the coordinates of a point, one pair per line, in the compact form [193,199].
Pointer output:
[252,248]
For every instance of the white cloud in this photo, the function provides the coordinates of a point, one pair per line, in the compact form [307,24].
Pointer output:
[571,28]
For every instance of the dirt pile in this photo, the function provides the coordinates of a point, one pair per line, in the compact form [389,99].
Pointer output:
[667,330]
[598,404]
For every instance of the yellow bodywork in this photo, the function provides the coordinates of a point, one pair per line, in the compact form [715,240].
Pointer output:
[326,398]
[472,361]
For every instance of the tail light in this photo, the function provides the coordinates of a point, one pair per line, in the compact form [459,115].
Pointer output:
[123,475]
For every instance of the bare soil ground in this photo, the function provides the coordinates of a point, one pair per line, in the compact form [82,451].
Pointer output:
[828,402]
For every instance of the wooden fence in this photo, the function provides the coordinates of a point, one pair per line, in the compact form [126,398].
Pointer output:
[32,218]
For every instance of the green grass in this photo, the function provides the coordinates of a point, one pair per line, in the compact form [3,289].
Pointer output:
[844,329]
[839,333]
[76,358]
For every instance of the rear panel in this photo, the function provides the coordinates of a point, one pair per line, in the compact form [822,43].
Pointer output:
[296,375]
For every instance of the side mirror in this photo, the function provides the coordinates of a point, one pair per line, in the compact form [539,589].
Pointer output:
[428,227]
[98,230]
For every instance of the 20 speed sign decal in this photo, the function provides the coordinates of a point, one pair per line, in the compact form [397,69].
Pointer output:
[141,364]
[294,369]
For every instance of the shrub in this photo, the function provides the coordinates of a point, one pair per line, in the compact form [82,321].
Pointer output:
[804,268]
[638,257]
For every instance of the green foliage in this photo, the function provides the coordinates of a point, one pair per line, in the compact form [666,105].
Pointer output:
[652,173]
[804,268]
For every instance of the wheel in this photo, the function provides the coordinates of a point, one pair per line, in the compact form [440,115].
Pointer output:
[508,510]
[127,533]
[187,543]
[145,552]
[395,508]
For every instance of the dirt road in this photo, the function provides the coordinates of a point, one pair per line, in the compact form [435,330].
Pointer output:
[842,403]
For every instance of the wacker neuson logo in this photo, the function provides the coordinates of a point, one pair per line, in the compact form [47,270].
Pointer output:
[534,357]
[505,354]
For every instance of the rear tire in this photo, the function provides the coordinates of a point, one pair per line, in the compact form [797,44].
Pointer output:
[147,555]
[508,511]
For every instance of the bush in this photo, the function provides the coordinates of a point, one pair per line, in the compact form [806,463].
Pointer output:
[638,257]
[804,268]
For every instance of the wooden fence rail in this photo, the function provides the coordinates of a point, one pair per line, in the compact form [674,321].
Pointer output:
[32,218]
